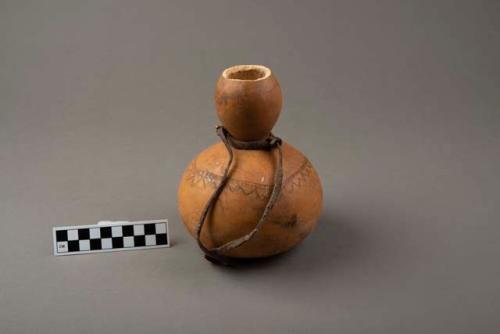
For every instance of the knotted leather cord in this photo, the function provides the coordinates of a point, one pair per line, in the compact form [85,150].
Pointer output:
[216,254]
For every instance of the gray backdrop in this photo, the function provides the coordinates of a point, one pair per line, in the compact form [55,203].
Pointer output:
[104,103]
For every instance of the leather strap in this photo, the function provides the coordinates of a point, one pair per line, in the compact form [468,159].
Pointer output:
[216,254]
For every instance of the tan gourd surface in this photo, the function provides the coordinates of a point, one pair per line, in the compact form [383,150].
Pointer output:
[243,199]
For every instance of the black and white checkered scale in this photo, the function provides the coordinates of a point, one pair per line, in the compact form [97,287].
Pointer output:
[107,238]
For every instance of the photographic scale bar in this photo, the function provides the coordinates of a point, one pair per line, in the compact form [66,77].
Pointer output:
[108,236]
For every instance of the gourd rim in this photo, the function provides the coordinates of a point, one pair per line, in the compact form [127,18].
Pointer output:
[246,73]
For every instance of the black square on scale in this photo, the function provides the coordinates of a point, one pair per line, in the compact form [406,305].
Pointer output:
[149,228]
[117,242]
[128,230]
[83,234]
[62,235]
[106,232]
[95,244]
[140,240]
[161,239]
[73,246]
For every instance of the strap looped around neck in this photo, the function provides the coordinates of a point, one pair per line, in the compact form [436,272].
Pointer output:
[216,254]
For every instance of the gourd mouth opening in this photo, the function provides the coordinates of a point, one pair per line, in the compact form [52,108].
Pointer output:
[246,73]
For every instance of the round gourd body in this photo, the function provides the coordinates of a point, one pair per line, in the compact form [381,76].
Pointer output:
[241,203]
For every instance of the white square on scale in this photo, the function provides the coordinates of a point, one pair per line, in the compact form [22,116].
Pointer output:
[150,240]
[95,233]
[106,243]
[139,229]
[73,235]
[128,242]
[160,228]
[116,231]
[84,245]
[62,246]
